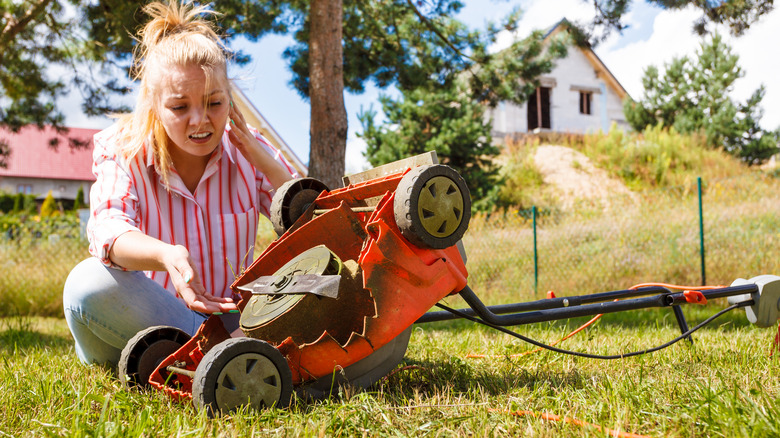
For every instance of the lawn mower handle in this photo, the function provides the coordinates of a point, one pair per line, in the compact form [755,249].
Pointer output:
[553,309]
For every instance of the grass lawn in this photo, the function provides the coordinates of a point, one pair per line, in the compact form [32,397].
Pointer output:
[723,385]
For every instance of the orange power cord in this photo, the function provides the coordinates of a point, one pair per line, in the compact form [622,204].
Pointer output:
[553,417]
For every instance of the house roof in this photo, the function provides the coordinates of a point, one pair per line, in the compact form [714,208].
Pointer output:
[32,157]
[595,61]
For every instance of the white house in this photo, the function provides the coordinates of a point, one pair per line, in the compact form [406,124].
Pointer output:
[579,95]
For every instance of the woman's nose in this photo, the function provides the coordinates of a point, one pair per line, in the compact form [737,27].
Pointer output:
[197,115]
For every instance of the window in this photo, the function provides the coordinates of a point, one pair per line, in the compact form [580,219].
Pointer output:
[585,100]
[539,109]
[24,188]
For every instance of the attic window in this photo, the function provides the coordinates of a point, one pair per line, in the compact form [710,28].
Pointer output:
[585,100]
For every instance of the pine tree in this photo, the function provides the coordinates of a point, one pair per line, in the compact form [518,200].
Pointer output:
[78,203]
[18,203]
[444,119]
[694,95]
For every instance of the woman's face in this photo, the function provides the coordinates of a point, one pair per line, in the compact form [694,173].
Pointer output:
[193,128]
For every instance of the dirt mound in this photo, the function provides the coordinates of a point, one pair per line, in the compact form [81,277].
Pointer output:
[574,176]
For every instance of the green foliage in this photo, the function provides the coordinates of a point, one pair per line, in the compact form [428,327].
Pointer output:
[7,202]
[694,96]
[16,203]
[655,157]
[49,206]
[78,203]
[522,181]
[443,99]
[446,120]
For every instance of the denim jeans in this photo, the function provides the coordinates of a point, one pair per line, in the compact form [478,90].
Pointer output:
[105,307]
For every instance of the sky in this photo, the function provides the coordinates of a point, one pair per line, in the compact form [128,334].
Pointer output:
[654,37]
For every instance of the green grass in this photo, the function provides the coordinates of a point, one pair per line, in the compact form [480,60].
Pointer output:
[722,385]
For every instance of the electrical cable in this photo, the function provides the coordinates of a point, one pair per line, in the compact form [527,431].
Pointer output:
[538,349]
[596,356]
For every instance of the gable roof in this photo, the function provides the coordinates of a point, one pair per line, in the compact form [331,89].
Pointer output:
[595,61]
[32,157]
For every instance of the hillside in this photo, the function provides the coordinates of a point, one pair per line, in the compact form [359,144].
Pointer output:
[557,170]
[573,176]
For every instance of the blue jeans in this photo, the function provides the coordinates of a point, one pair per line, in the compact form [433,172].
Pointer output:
[105,307]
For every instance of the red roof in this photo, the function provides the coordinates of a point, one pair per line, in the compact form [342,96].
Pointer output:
[32,157]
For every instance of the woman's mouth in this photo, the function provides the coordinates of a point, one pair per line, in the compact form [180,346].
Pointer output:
[200,137]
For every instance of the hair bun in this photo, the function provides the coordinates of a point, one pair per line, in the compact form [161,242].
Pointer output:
[173,18]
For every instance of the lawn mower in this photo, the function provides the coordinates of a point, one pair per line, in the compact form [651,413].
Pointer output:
[332,301]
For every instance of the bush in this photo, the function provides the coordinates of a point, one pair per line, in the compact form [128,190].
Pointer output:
[23,228]
[49,207]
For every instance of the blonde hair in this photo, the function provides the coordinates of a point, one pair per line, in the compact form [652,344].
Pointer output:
[176,35]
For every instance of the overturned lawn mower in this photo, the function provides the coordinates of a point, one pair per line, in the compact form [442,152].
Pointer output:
[333,299]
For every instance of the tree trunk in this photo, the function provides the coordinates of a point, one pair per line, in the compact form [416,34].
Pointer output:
[326,90]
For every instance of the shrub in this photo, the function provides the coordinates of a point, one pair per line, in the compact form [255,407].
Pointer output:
[49,207]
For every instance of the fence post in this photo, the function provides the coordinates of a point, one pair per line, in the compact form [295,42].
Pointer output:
[701,236]
[536,256]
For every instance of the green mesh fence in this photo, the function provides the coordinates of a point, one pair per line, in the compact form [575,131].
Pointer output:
[621,241]
[591,246]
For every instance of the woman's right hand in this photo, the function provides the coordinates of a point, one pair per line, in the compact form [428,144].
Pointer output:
[189,285]
[136,251]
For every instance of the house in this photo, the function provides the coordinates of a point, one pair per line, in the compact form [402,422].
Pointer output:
[36,168]
[579,95]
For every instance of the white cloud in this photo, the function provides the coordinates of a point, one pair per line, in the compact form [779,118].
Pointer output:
[672,37]
[355,161]
[538,15]
[761,65]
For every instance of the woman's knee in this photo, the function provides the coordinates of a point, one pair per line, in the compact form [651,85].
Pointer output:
[87,279]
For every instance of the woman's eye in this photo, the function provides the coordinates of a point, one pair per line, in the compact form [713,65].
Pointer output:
[178,107]
[215,103]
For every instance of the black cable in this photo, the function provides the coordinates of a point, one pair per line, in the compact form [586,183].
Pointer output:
[596,356]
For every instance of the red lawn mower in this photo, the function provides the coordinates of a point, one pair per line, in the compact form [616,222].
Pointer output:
[333,299]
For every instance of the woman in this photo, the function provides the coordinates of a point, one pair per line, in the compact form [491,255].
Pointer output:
[180,184]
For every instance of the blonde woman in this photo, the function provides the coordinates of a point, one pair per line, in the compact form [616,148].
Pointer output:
[180,184]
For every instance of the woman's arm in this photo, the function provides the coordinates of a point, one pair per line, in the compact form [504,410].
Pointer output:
[136,251]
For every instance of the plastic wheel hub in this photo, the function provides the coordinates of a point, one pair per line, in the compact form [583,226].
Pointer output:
[440,206]
[249,379]
[432,206]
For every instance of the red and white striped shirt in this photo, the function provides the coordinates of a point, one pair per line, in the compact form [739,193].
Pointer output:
[217,224]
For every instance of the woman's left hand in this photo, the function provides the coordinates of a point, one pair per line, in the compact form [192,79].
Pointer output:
[251,148]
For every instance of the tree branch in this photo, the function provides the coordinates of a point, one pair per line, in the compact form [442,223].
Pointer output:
[435,30]
[14,26]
